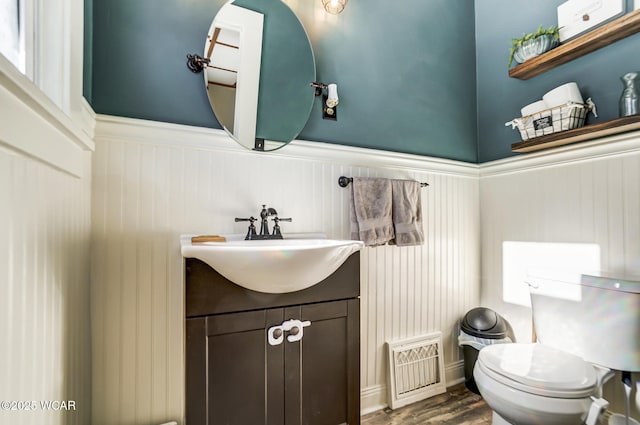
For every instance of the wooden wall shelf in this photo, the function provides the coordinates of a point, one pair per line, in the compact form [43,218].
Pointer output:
[623,27]
[588,132]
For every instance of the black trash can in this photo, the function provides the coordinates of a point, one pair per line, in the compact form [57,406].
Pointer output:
[480,327]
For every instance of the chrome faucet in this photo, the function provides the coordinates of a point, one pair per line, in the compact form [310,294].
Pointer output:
[265,213]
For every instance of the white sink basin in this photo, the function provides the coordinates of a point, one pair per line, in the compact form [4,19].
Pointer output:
[273,266]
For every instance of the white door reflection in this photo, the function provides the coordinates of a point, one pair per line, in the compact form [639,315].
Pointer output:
[232,76]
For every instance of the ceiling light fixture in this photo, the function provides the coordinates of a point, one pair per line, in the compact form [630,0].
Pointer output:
[334,6]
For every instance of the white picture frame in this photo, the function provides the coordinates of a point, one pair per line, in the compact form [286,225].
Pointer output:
[576,17]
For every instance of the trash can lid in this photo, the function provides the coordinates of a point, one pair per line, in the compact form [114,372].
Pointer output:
[484,323]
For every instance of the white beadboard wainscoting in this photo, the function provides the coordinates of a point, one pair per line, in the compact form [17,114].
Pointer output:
[45,341]
[154,181]
[584,194]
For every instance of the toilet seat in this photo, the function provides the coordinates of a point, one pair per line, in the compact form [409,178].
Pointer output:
[539,370]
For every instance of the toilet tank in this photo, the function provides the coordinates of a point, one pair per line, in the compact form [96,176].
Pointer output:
[593,315]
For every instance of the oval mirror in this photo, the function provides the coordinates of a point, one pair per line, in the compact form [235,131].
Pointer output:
[260,68]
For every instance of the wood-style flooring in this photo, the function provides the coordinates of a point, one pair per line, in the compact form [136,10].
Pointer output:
[458,406]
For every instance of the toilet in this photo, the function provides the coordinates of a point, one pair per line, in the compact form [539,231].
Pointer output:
[587,325]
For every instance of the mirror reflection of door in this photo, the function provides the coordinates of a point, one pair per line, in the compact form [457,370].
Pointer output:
[260,70]
[232,77]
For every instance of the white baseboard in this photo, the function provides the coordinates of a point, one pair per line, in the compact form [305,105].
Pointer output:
[374,398]
[454,373]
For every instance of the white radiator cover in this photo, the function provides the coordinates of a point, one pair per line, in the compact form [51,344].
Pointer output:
[416,369]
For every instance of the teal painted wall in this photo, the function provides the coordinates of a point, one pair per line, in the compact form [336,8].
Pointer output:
[500,97]
[405,73]
[139,57]
[429,77]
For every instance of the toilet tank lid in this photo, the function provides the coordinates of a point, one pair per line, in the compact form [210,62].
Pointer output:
[595,279]
[612,282]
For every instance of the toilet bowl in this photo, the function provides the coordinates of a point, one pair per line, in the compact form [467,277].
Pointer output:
[578,318]
[534,384]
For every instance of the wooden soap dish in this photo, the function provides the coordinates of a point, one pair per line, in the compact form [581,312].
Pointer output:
[208,238]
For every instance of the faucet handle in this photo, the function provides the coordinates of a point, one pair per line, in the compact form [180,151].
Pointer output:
[251,231]
[277,220]
[276,226]
[251,219]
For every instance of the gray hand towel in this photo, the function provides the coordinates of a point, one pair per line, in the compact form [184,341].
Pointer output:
[370,211]
[407,212]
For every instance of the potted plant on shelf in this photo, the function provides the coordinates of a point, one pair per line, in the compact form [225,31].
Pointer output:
[534,44]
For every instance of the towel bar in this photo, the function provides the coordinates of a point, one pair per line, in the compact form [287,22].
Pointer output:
[344,182]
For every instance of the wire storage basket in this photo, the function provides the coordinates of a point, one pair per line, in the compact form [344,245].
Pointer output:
[553,120]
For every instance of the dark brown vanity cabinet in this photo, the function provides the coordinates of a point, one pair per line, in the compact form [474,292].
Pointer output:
[274,359]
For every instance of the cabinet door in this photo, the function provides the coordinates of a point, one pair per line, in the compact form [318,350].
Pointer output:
[234,377]
[322,370]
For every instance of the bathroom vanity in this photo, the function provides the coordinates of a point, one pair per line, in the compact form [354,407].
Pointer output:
[272,358]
